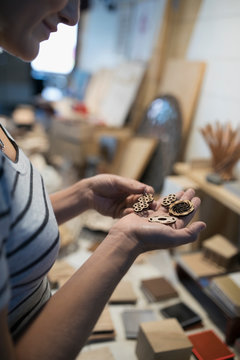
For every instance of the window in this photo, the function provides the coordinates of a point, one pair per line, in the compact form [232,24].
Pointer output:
[57,54]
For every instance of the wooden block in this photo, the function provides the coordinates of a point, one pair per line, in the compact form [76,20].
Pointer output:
[99,337]
[94,246]
[104,323]
[157,289]
[123,294]
[24,115]
[198,266]
[220,250]
[66,235]
[104,329]
[103,353]
[60,273]
[161,340]
[227,289]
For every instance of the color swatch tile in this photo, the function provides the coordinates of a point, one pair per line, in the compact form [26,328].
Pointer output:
[157,289]
[208,346]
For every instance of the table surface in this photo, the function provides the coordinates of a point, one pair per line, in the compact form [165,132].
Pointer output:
[154,264]
[218,192]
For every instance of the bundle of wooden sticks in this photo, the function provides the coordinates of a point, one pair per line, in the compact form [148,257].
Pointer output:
[224,144]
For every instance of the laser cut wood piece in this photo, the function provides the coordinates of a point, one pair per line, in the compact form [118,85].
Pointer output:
[161,340]
[220,250]
[167,220]
[168,200]
[143,203]
[123,294]
[181,208]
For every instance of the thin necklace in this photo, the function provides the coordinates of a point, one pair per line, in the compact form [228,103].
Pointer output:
[2,146]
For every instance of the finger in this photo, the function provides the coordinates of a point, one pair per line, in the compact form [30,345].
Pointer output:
[178,196]
[135,187]
[127,211]
[188,195]
[183,221]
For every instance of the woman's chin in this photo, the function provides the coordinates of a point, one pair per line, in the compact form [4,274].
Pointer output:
[24,51]
[29,53]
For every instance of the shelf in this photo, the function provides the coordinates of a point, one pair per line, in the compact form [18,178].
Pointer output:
[228,322]
[218,192]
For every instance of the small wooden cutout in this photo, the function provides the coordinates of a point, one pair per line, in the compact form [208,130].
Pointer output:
[181,208]
[168,200]
[143,203]
[163,219]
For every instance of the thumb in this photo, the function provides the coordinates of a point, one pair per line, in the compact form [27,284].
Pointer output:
[136,187]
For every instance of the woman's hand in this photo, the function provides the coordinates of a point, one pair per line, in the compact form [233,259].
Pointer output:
[151,236]
[113,195]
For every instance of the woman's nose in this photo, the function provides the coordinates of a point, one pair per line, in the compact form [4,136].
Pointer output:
[69,15]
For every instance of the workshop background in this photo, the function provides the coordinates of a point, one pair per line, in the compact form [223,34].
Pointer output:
[150,90]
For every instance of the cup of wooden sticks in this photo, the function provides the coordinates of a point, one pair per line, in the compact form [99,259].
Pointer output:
[224,144]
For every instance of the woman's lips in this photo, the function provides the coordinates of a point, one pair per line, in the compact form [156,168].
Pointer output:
[49,26]
[47,29]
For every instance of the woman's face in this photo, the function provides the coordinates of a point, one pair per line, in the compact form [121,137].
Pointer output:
[25,23]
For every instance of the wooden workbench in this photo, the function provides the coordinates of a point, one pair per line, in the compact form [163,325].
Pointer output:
[218,192]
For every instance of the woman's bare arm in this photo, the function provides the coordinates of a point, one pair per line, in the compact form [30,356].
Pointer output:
[63,326]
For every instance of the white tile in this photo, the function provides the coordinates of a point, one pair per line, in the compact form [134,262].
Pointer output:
[222,79]
[215,39]
[219,9]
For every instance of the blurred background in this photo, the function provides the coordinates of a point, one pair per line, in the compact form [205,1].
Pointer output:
[147,89]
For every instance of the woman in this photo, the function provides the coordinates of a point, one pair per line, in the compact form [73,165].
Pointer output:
[34,325]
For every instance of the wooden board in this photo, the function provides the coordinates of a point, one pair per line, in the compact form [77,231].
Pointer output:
[111,92]
[60,273]
[104,329]
[183,79]
[104,323]
[163,339]
[198,266]
[218,192]
[103,353]
[136,155]
[123,294]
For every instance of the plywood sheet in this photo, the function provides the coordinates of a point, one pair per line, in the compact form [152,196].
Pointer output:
[103,353]
[136,155]
[111,92]
[183,79]
[104,323]
[104,329]
[198,266]
[123,294]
